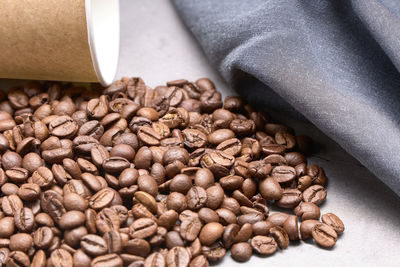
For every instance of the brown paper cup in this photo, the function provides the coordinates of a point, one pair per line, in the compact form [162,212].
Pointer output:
[66,40]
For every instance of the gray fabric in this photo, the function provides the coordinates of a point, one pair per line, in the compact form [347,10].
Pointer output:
[334,62]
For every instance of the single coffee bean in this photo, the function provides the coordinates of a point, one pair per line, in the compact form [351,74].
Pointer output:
[204,178]
[115,164]
[61,257]
[138,247]
[73,201]
[93,245]
[280,235]
[42,176]
[24,219]
[107,220]
[178,257]
[11,160]
[190,229]
[102,198]
[124,151]
[29,191]
[42,237]
[270,189]
[108,260]
[21,241]
[214,253]
[315,194]
[114,241]
[307,211]
[18,259]
[142,228]
[39,259]
[333,221]
[241,252]
[264,245]
[63,127]
[210,233]
[11,204]
[155,259]
[290,198]
[207,215]
[196,198]
[317,175]
[324,235]
[71,219]
[7,227]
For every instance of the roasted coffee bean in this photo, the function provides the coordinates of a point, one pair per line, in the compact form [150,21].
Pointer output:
[61,257]
[264,245]
[241,252]
[214,253]
[178,257]
[24,219]
[42,237]
[290,198]
[315,194]
[317,175]
[324,235]
[210,233]
[94,245]
[21,241]
[108,260]
[194,175]
[142,228]
[307,211]
[18,259]
[333,221]
[280,235]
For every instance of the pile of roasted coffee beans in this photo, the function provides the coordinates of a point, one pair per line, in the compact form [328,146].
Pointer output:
[135,176]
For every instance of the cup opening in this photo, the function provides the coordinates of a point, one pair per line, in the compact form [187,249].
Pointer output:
[103,26]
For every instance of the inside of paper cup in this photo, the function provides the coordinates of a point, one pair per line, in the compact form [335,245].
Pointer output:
[103,25]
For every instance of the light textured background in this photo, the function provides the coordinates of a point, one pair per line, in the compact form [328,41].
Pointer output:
[157,46]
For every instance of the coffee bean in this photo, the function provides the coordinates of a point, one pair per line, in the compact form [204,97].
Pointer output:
[280,235]
[210,233]
[101,199]
[18,259]
[21,242]
[214,253]
[307,211]
[42,176]
[71,219]
[142,228]
[291,227]
[29,192]
[241,252]
[61,257]
[315,194]
[324,235]
[264,245]
[94,245]
[63,127]
[39,259]
[11,204]
[290,198]
[10,160]
[108,260]
[178,257]
[24,219]
[138,247]
[317,175]
[107,220]
[333,221]
[42,237]
[155,259]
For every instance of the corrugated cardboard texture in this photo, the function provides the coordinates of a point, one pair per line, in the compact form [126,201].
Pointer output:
[45,40]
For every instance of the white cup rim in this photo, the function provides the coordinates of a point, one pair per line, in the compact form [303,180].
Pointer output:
[103,27]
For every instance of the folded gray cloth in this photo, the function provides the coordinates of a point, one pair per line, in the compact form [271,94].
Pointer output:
[335,62]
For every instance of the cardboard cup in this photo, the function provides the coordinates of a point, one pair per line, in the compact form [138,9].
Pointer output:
[65,40]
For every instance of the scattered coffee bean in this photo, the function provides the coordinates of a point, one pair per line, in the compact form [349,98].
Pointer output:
[135,176]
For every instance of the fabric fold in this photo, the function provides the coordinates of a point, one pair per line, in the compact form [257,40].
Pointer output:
[329,61]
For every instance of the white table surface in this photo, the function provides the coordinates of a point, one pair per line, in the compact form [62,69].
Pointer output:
[156,46]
